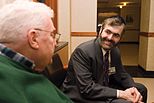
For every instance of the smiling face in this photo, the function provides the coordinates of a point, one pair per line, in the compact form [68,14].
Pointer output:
[110,36]
[111,32]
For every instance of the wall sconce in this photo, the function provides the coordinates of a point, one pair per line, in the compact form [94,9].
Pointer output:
[124,4]
[120,6]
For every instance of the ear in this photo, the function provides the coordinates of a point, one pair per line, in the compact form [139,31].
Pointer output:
[33,39]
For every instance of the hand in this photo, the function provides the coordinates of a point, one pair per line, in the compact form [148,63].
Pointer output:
[138,96]
[131,94]
[127,95]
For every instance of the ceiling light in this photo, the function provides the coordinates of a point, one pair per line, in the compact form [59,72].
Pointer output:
[124,4]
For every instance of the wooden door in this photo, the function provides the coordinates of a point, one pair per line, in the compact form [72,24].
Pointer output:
[53,5]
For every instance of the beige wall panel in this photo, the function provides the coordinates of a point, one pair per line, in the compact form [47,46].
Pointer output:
[83,15]
[151,27]
[150,57]
[143,52]
[64,25]
[78,40]
[83,19]
[145,15]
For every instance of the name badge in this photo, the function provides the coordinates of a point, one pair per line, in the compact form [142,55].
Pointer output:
[112,70]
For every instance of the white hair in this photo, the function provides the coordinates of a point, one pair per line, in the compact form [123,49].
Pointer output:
[18,17]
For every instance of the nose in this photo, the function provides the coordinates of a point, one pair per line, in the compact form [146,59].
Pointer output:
[110,36]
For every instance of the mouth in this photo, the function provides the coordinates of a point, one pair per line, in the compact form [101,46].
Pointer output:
[108,43]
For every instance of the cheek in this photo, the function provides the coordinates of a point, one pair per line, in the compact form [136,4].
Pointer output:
[104,35]
[52,44]
[51,49]
[116,40]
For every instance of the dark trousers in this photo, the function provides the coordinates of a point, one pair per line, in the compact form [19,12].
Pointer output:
[143,90]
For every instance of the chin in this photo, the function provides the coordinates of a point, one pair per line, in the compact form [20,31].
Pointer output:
[106,47]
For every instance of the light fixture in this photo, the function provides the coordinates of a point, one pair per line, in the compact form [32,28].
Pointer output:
[124,4]
[120,6]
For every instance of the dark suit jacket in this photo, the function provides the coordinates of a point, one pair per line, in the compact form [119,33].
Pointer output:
[83,83]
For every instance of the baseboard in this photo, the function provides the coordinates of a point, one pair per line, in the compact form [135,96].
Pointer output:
[138,71]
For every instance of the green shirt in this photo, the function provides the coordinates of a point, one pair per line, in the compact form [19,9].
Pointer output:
[20,85]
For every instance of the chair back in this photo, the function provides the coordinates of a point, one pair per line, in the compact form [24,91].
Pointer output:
[57,73]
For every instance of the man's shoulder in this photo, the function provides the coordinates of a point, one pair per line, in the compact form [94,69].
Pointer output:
[86,44]
[89,48]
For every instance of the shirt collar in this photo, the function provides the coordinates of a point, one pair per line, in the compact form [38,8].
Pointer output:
[16,56]
[104,51]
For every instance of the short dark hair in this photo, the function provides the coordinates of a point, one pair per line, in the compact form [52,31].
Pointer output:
[114,21]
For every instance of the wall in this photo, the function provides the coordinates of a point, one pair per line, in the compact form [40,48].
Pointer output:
[150,53]
[145,13]
[151,20]
[146,54]
[64,23]
[76,16]
[83,20]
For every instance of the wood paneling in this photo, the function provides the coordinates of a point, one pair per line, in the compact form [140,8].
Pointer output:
[147,34]
[91,34]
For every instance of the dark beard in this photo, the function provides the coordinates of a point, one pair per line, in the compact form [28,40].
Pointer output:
[105,39]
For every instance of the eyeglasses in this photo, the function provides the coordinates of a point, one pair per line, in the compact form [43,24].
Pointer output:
[54,35]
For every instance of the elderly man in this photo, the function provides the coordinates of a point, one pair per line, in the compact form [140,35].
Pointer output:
[27,43]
